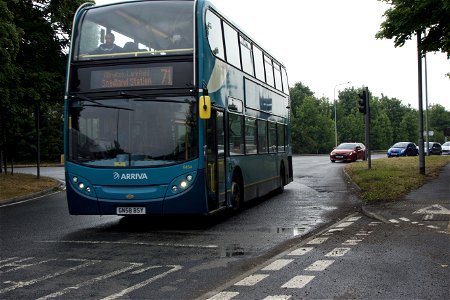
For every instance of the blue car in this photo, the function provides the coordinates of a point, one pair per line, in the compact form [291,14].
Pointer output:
[403,149]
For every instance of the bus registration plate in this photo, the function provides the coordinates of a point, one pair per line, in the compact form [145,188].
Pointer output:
[131,210]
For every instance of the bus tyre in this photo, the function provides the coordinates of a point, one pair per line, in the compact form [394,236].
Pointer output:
[236,194]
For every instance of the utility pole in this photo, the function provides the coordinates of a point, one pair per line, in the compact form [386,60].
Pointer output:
[419,73]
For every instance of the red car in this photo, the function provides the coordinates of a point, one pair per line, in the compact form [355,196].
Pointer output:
[348,152]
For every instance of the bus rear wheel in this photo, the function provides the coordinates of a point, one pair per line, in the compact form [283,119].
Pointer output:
[236,194]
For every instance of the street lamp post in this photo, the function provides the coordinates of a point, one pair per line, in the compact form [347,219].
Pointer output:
[335,120]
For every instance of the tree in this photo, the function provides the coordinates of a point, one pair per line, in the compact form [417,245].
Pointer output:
[380,126]
[33,40]
[438,120]
[408,128]
[407,17]
[297,94]
[395,111]
[312,128]
[10,36]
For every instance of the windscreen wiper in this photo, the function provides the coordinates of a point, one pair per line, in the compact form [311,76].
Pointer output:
[128,95]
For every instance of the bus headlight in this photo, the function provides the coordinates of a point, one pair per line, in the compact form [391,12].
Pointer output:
[182,183]
[82,185]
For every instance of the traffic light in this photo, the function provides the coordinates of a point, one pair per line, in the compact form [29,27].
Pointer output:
[362,101]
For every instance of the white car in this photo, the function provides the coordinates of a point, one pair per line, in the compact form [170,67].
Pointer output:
[446,148]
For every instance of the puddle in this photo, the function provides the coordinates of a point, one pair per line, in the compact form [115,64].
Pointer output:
[292,231]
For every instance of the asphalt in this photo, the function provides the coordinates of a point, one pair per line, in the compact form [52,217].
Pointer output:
[425,205]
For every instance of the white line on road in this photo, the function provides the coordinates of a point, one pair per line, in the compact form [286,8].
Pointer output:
[39,279]
[143,283]
[18,266]
[301,251]
[351,242]
[317,241]
[343,224]
[298,282]
[319,265]
[278,297]
[137,244]
[338,252]
[251,280]
[277,265]
[224,296]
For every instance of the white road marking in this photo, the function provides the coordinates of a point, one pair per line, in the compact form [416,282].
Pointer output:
[224,296]
[90,281]
[335,229]
[278,297]
[405,219]
[317,241]
[319,265]
[343,224]
[277,265]
[137,244]
[432,227]
[301,251]
[393,221]
[433,209]
[39,279]
[351,242]
[18,266]
[144,283]
[251,280]
[9,259]
[298,282]
[353,219]
[338,252]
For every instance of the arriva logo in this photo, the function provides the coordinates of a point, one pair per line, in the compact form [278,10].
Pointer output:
[129,176]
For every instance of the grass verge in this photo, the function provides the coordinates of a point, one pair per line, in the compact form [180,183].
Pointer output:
[16,185]
[390,179]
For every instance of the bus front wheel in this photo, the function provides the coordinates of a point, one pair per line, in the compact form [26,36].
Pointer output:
[236,193]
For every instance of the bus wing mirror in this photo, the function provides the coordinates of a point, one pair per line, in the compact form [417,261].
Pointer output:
[205,107]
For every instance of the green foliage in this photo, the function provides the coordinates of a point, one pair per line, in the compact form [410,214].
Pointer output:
[298,93]
[391,121]
[312,128]
[405,18]
[33,45]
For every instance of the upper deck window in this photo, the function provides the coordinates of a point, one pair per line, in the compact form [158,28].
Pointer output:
[135,29]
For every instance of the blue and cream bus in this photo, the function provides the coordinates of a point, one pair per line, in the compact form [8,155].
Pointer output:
[185,114]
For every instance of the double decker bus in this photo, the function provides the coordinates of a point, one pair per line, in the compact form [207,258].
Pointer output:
[182,114]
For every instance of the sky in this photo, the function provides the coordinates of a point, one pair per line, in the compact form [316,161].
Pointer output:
[326,43]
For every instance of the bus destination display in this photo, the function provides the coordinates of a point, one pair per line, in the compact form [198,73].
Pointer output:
[132,77]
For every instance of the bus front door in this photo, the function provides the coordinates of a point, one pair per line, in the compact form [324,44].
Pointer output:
[215,158]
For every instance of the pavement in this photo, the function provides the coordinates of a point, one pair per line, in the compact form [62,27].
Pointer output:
[427,205]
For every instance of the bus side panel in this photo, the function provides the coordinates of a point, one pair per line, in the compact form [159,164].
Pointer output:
[193,201]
